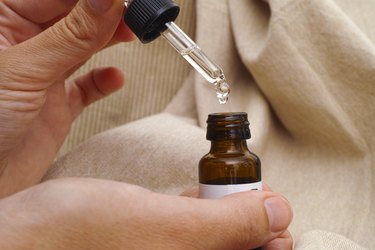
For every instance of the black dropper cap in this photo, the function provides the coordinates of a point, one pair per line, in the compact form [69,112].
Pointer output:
[147,18]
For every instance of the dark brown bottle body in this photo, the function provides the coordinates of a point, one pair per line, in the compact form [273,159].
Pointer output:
[230,166]
[229,163]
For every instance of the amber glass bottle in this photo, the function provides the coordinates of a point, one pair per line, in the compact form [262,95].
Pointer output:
[229,167]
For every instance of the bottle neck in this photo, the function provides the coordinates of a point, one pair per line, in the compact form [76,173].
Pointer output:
[228,146]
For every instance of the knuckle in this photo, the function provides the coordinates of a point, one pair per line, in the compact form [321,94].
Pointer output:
[77,27]
[188,230]
[249,233]
[249,226]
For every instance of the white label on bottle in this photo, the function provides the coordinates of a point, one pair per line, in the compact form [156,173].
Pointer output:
[217,191]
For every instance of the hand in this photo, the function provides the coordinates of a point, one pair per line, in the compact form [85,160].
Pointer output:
[98,214]
[42,42]
[283,242]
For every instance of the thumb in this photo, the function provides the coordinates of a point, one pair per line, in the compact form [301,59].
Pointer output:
[69,42]
[246,220]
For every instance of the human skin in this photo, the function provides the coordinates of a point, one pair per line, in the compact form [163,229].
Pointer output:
[37,104]
[99,214]
[42,42]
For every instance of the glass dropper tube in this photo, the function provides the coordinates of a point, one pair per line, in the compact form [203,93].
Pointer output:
[189,50]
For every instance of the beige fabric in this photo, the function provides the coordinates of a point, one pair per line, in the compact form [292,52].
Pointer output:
[317,240]
[153,72]
[304,71]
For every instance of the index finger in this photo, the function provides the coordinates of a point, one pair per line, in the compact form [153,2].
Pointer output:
[47,12]
[41,11]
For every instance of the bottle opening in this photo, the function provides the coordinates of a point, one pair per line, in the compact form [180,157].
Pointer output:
[228,126]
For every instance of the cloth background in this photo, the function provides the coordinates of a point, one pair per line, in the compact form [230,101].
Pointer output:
[303,70]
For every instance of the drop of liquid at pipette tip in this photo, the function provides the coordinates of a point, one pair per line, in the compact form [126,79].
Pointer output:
[222,90]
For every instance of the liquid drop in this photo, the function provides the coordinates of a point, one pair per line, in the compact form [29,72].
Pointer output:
[222,91]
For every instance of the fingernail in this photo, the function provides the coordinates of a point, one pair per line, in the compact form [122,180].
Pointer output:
[279,213]
[101,6]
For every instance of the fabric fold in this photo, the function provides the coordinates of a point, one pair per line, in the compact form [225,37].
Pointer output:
[304,71]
